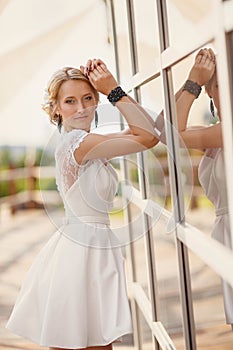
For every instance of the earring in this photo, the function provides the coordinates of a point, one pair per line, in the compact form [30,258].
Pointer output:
[96,118]
[59,122]
[212,108]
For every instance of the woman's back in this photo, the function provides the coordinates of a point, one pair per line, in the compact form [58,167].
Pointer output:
[89,189]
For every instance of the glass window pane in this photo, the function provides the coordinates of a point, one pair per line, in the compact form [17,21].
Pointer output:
[196,203]
[189,21]
[208,307]
[132,167]
[169,303]
[122,39]
[152,101]
[139,248]
[146,335]
[146,32]
[141,264]
[151,96]
[199,211]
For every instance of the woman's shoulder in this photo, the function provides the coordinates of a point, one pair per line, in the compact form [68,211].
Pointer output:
[73,137]
[70,140]
[74,133]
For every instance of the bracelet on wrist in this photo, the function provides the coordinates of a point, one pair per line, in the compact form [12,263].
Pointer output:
[115,95]
[192,87]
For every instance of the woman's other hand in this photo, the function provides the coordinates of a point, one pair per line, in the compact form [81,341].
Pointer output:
[203,68]
[99,76]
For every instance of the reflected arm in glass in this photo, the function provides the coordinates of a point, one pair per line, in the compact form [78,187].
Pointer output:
[159,122]
[203,73]
[145,114]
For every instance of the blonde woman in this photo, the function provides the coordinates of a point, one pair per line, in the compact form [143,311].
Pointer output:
[209,139]
[74,295]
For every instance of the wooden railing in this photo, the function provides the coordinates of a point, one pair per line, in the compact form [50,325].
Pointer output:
[30,197]
[33,198]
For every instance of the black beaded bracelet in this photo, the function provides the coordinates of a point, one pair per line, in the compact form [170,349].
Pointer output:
[192,87]
[115,95]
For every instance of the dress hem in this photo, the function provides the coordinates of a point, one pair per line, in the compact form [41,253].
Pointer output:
[114,340]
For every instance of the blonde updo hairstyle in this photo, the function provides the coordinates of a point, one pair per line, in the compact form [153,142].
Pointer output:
[51,93]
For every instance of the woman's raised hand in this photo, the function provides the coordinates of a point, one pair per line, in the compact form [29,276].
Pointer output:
[99,76]
[204,67]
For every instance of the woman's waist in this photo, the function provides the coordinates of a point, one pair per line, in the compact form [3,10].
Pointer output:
[95,219]
[90,231]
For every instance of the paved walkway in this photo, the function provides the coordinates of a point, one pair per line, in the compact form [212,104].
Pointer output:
[23,235]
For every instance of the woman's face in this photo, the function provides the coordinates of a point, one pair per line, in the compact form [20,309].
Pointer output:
[76,104]
[214,93]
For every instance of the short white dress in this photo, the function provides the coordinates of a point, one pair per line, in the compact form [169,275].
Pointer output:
[212,178]
[74,294]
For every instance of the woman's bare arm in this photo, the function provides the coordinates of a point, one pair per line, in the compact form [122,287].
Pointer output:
[141,135]
[202,137]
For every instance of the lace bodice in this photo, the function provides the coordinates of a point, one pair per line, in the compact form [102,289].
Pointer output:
[67,169]
[86,190]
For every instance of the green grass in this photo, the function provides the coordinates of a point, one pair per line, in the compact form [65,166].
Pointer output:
[19,185]
[22,185]
[46,184]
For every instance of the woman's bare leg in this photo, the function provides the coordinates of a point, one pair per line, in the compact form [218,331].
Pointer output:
[106,347]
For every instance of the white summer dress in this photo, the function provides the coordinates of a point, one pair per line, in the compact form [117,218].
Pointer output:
[212,178]
[74,294]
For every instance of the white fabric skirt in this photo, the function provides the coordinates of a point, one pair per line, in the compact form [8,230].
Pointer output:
[73,296]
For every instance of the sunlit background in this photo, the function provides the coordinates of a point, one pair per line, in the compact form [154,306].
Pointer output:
[38,37]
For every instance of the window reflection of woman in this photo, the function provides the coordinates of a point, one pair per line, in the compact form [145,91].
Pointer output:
[208,138]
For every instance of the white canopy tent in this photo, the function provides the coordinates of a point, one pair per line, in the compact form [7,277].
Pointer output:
[37,37]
